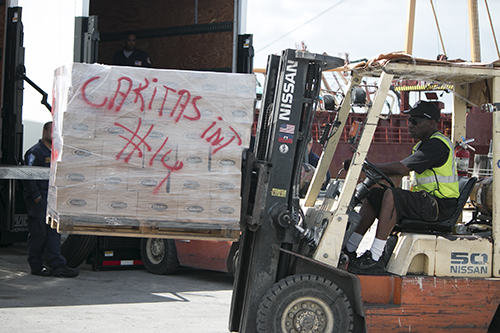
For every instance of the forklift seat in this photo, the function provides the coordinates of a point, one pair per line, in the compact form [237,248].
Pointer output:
[466,185]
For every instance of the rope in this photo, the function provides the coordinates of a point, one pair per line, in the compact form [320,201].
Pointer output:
[439,30]
[491,24]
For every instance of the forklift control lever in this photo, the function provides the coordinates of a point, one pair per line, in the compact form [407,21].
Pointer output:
[21,75]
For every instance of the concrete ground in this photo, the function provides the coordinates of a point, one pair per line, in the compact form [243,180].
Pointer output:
[111,301]
[122,301]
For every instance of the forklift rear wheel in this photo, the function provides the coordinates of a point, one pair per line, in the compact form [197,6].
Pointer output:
[159,255]
[305,303]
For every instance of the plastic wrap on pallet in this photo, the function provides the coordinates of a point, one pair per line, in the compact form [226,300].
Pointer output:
[145,148]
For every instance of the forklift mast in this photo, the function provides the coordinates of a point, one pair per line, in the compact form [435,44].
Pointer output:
[13,220]
[12,97]
[271,177]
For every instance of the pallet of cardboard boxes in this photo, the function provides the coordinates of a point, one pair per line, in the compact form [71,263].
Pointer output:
[147,152]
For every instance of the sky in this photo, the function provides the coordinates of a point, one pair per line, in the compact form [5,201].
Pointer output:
[359,28]
[362,29]
[365,28]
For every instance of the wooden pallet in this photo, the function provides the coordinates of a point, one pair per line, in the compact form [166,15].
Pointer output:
[125,227]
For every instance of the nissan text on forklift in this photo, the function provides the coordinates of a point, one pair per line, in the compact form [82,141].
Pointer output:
[290,271]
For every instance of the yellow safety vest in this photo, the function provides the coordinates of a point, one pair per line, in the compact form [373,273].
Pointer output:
[441,182]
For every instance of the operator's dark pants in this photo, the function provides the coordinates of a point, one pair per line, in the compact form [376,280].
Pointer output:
[42,238]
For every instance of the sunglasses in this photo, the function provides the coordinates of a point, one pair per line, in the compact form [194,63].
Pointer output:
[416,120]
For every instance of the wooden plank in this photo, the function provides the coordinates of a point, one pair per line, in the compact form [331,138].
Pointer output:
[144,229]
[430,304]
[456,73]
[225,235]
[167,235]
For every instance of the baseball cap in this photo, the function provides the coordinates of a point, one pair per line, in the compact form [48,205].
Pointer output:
[424,109]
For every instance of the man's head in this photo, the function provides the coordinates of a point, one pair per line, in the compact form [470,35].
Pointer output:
[47,133]
[423,119]
[130,40]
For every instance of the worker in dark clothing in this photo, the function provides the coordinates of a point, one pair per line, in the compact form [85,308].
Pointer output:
[129,55]
[42,239]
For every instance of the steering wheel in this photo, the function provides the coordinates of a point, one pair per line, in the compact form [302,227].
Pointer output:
[375,174]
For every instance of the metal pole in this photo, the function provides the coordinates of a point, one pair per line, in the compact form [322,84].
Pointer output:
[496,177]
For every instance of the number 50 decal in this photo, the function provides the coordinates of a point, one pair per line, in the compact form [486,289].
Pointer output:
[463,258]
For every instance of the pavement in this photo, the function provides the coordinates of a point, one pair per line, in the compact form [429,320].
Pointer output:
[111,301]
[190,301]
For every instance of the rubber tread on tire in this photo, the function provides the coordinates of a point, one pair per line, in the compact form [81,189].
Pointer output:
[76,249]
[161,260]
[305,303]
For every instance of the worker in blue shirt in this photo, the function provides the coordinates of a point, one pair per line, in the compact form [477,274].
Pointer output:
[42,239]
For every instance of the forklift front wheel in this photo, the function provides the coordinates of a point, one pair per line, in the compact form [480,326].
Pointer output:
[159,255]
[305,303]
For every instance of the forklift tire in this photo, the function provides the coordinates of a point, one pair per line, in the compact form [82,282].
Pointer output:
[159,255]
[76,248]
[305,303]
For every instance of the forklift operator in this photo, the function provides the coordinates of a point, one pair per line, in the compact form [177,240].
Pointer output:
[433,196]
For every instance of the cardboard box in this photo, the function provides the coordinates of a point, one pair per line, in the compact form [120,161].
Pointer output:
[194,159]
[193,185]
[111,177]
[193,208]
[122,153]
[161,206]
[109,127]
[116,203]
[148,180]
[83,153]
[238,110]
[222,163]
[73,175]
[74,201]
[79,125]
[223,136]
[225,208]
[225,185]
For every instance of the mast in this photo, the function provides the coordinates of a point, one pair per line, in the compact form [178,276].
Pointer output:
[474,31]
[410,24]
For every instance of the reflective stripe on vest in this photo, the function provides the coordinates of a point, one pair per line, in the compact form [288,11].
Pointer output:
[442,181]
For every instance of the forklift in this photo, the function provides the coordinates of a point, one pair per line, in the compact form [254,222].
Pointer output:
[290,272]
